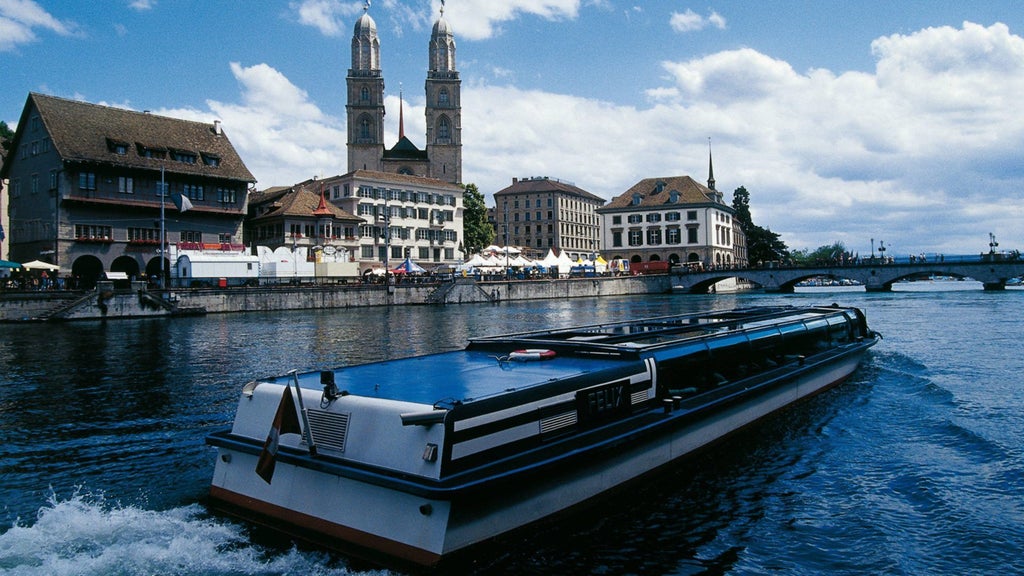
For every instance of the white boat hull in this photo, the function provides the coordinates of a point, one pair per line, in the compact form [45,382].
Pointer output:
[339,512]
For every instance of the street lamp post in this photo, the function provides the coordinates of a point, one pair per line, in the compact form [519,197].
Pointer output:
[881,250]
[872,248]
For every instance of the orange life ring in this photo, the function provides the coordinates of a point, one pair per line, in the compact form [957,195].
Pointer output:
[532,354]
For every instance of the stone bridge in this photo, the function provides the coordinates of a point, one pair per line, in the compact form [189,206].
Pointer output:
[875,277]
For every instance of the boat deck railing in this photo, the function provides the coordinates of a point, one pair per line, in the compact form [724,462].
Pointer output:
[647,333]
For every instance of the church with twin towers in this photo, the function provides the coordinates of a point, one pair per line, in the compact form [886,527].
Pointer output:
[442,159]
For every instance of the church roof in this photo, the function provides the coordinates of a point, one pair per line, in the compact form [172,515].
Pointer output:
[365,25]
[658,192]
[405,149]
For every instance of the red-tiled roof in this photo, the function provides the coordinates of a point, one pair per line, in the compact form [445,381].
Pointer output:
[295,202]
[657,192]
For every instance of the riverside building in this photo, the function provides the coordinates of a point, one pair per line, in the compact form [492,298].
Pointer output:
[85,188]
[674,219]
[541,213]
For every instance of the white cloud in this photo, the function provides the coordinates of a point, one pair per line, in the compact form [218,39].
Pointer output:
[141,5]
[478,19]
[902,154]
[20,18]
[690,21]
[282,136]
[331,17]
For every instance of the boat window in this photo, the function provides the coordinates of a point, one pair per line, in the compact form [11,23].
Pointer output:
[839,329]
[688,374]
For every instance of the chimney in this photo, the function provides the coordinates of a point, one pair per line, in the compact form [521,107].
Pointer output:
[216,127]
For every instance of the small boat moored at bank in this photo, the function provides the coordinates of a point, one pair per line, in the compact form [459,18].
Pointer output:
[417,458]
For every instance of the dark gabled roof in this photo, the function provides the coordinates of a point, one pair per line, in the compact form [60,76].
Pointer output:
[297,202]
[83,132]
[545,184]
[404,149]
[658,193]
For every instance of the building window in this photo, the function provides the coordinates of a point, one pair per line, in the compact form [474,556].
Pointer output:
[183,156]
[125,185]
[617,219]
[190,236]
[635,218]
[672,236]
[226,195]
[211,159]
[636,238]
[442,97]
[672,217]
[147,152]
[117,147]
[364,94]
[444,129]
[53,179]
[193,191]
[364,129]
[366,252]
[691,214]
[617,239]
[691,235]
[86,180]
[424,253]
[144,235]
[654,236]
[93,233]
[654,217]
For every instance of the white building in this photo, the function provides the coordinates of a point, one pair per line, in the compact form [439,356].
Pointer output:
[675,219]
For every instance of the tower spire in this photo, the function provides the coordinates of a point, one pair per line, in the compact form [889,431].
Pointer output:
[711,167]
[401,114]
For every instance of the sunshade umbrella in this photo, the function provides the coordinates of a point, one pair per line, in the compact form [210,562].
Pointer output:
[40,265]
[9,264]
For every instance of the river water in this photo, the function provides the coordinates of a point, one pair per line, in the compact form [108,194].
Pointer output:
[913,466]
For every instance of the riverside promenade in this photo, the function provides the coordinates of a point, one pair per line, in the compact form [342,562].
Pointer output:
[136,301]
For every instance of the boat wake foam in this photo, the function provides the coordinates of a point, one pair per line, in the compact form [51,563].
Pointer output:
[86,535]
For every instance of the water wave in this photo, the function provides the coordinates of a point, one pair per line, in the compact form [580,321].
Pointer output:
[85,535]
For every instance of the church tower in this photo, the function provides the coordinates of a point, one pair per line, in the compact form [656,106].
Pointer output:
[444,105]
[365,108]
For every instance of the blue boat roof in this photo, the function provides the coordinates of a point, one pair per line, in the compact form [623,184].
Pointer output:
[462,376]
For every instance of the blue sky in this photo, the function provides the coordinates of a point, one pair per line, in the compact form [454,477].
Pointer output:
[898,121]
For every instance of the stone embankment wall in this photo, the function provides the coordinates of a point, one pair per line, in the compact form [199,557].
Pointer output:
[136,302]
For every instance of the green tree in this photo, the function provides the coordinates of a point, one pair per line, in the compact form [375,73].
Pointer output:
[6,135]
[763,245]
[477,232]
[830,253]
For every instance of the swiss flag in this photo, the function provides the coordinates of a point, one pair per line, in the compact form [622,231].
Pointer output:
[285,422]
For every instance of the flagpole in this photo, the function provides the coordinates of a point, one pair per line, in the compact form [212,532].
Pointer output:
[305,418]
[163,234]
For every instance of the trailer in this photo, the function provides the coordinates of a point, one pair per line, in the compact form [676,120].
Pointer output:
[213,265]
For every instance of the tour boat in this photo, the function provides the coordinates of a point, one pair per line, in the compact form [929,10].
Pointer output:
[416,458]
